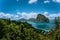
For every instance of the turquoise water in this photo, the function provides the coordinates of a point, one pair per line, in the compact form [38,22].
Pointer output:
[43,26]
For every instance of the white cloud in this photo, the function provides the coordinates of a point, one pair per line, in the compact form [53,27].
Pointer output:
[51,16]
[27,15]
[7,15]
[32,1]
[57,1]
[18,15]
[1,14]
[46,1]
[45,13]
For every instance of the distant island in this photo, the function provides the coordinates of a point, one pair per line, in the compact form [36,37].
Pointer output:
[39,18]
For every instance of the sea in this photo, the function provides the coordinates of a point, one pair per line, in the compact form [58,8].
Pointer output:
[43,26]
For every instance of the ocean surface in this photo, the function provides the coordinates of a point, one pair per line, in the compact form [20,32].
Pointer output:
[43,26]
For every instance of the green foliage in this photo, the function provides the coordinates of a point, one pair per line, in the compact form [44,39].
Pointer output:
[57,22]
[11,30]
[16,30]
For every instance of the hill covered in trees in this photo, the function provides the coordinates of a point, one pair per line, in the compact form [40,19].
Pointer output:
[16,30]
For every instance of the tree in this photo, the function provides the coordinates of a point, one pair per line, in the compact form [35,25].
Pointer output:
[57,22]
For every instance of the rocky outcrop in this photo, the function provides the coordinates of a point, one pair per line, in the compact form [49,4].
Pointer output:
[42,18]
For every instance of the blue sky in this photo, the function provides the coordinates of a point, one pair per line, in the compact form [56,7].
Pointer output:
[16,9]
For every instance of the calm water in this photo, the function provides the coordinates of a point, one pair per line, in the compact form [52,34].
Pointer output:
[43,26]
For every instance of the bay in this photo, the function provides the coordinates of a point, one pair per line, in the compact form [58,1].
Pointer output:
[43,26]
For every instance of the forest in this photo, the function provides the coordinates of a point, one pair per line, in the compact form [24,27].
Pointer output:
[17,30]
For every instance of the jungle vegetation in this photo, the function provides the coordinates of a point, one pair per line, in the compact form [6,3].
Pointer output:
[16,30]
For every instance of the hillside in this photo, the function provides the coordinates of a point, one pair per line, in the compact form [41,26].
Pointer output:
[15,30]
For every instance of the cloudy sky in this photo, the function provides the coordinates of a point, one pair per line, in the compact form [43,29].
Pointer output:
[16,9]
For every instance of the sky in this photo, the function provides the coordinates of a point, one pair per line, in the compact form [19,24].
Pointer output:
[16,9]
